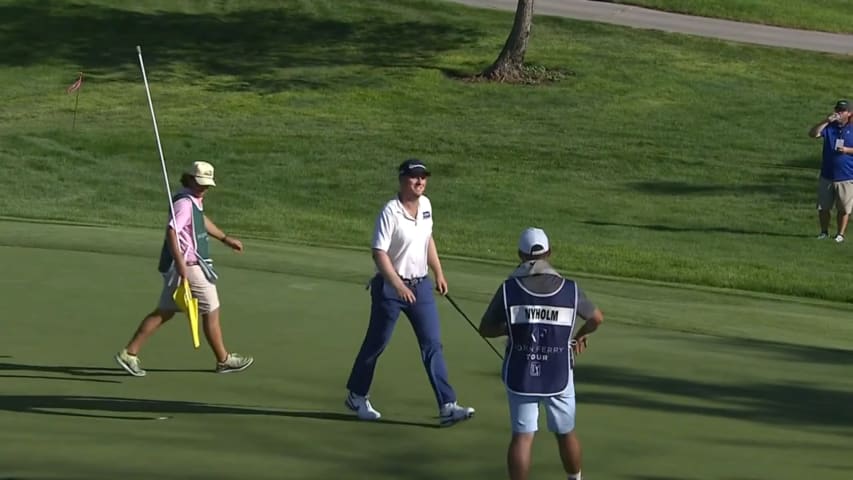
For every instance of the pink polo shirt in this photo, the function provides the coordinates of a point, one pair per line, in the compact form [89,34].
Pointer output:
[183,224]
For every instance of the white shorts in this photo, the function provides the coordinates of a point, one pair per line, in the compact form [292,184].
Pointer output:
[524,412]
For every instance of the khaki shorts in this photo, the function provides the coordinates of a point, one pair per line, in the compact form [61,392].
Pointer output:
[203,290]
[838,194]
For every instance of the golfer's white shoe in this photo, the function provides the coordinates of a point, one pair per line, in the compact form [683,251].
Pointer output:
[452,413]
[362,407]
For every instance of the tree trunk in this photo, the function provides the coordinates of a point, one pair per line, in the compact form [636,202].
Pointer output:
[509,64]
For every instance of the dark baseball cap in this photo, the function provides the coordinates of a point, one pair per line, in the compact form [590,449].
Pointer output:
[413,167]
[842,106]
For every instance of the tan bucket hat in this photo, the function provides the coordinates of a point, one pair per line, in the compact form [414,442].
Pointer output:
[203,173]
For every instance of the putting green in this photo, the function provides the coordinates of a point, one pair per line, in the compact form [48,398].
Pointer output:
[680,383]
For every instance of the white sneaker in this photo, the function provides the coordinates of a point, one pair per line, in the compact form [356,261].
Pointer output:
[234,362]
[130,363]
[839,238]
[362,407]
[451,414]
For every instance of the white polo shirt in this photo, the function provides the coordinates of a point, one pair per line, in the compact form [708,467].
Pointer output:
[403,238]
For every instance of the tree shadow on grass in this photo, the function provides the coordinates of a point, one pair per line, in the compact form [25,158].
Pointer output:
[791,443]
[86,373]
[123,408]
[671,228]
[810,163]
[794,189]
[253,46]
[69,379]
[785,351]
[778,404]
[796,402]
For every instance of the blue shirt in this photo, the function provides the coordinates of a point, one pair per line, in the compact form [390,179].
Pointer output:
[837,166]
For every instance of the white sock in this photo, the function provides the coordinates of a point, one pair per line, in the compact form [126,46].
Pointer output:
[575,476]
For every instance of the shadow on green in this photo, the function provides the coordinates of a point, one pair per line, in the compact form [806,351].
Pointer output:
[93,406]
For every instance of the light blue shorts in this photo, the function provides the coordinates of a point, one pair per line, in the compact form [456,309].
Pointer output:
[524,412]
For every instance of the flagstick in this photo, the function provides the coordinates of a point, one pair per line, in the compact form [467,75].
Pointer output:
[76,101]
[76,86]
[184,281]
[157,136]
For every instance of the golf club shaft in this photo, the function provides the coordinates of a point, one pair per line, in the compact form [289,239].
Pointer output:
[452,302]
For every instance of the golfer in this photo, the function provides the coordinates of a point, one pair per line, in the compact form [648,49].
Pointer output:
[185,254]
[536,308]
[403,248]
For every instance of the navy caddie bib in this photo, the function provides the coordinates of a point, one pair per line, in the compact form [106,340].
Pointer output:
[538,359]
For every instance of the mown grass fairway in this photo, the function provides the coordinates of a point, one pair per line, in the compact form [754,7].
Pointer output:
[679,383]
[821,15]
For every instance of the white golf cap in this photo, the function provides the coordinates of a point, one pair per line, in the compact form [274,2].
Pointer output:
[533,241]
[203,173]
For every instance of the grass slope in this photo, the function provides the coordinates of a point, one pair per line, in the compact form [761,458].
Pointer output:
[664,157]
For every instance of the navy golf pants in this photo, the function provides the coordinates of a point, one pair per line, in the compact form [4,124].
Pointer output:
[423,315]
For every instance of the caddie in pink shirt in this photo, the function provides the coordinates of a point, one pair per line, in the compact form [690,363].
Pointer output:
[184,207]
[185,254]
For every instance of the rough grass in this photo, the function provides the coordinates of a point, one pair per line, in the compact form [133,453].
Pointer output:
[664,157]
[821,15]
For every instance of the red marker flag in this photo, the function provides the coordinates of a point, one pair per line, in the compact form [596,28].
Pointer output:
[76,85]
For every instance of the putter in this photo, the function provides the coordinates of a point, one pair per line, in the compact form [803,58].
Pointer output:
[473,326]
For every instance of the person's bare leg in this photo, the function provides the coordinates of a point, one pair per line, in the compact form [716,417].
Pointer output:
[146,328]
[518,456]
[570,454]
[842,222]
[823,217]
[213,333]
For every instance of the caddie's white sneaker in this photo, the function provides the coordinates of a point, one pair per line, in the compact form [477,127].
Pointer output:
[234,362]
[452,413]
[839,238]
[130,363]
[362,407]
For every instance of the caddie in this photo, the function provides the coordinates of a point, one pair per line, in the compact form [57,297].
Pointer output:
[536,308]
[185,254]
